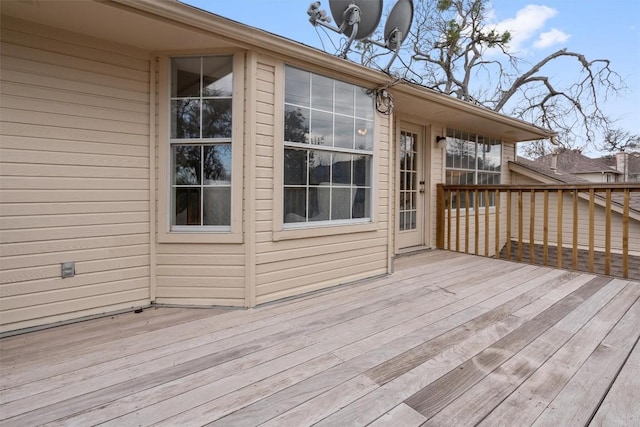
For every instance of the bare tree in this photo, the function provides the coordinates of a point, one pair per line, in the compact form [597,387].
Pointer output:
[455,49]
[620,140]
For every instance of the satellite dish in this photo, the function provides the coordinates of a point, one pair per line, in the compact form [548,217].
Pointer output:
[396,29]
[344,13]
[398,24]
[355,18]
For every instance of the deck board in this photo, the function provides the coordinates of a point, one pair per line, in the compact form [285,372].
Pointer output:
[446,339]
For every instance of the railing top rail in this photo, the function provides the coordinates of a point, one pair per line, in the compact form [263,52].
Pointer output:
[614,187]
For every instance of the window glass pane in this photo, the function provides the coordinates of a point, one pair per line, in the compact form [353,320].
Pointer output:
[217,206]
[344,132]
[216,118]
[321,93]
[319,167]
[185,118]
[321,128]
[364,104]
[297,86]
[469,159]
[295,205]
[341,170]
[454,152]
[187,204]
[362,170]
[364,135]
[341,203]
[217,164]
[319,203]
[345,98]
[217,76]
[459,178]
[295,167]
[331,183]
[296,124]
[361,203]
[185,77]
[489,157]
[186,160]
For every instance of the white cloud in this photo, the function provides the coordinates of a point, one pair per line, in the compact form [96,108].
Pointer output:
[550,38]
[526,24]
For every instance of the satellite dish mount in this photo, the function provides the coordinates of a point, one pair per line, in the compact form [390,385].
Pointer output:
[355,18]
[359,18]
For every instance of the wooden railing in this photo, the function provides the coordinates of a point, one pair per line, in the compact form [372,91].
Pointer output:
[590,227]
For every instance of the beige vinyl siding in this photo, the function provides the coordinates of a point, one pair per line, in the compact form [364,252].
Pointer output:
[567,223]
[200,274]
[75,176]
[294,266]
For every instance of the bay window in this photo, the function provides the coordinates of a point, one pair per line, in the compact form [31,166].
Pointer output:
[200,142]
[328,150]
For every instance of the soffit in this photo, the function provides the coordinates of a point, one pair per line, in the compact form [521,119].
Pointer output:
[453,113]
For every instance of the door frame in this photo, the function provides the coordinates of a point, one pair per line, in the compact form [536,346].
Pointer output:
[423,132]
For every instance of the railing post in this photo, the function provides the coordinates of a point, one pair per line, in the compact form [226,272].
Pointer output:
[532,227]
[497,207]
[625,234]
[574,260]
[545,231]
[592,222]
[607,234]
[486,222]
[520,225]
[440,212]
[559,225]
[466,221]
[508,238]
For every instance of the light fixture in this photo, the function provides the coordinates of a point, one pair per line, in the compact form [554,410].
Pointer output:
[441,142]
[362,132]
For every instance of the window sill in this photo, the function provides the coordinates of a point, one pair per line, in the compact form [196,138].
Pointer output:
[325,230]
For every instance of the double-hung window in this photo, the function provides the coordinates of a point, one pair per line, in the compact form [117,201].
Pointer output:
[200,137]
[328,150]
[472,160]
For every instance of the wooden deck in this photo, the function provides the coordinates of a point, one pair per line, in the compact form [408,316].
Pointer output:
[448,339]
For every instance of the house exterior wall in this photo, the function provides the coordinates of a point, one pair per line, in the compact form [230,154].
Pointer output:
[75,176]
[291,262]
[598,177]
[86,174]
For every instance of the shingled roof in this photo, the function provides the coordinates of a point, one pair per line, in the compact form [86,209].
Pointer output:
[558,175]
[573,161]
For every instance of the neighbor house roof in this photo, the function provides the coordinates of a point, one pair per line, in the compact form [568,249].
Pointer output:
[543,171]
[574,162]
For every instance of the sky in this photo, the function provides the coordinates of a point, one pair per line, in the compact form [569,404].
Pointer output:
[599,29]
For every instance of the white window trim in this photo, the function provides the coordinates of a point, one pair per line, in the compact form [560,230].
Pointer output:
[196,234]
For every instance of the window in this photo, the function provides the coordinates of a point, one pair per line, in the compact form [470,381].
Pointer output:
[328,150]
[472,160]
[200,138]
